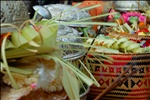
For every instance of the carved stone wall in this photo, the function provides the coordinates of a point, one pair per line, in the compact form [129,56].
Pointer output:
[13,11]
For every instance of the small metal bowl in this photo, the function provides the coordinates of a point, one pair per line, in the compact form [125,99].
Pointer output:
[62,11]
[129,5]
[64,35]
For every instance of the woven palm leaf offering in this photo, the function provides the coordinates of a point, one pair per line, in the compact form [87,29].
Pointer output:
[128,45]
[32,63]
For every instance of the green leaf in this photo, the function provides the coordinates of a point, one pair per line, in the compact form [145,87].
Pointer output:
[70,84]
[115,46]
[86,23]
[121,40]
[133,45]
[29,33]
[17,39]
[139,50]
[20,71]
[108,43]
[9,45]
[34,44]
[98,16]
[125,44]
[5,64]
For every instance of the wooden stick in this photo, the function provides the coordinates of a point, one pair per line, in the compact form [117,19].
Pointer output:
[113,84]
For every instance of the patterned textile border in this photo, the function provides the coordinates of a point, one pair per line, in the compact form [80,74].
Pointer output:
[135,87]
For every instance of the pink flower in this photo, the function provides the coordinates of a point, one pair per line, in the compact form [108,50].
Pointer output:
[142,18]
[125,17]
[135,14]
[111,16]
[33,85]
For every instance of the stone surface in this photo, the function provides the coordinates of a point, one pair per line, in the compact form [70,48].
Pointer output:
[14,12]
[129,5]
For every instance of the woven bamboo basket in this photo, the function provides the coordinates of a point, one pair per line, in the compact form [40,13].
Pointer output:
[137,86]
[135,83]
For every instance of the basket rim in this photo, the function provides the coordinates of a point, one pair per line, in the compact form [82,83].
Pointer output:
[147,53]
